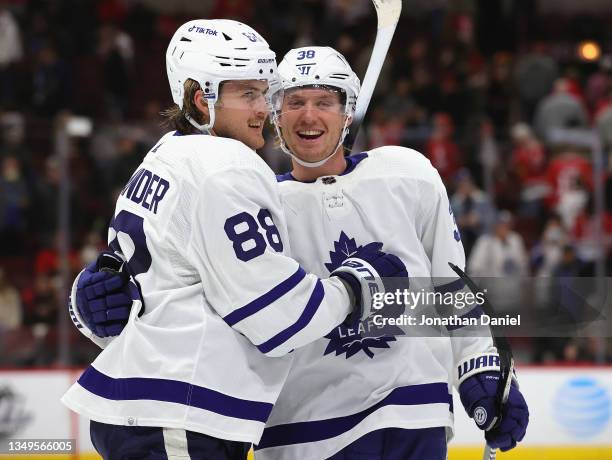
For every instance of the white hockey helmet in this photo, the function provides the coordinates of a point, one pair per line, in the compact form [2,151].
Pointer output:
[211,51]
[316,66]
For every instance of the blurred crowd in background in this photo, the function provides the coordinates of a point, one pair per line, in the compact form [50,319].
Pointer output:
[482,88]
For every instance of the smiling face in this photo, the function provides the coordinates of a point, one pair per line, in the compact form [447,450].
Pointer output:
[311,122]
[241,112]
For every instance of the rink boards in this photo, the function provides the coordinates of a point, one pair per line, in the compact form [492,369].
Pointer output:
[570,414]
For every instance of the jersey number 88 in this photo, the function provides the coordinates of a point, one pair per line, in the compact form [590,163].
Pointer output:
[243,231]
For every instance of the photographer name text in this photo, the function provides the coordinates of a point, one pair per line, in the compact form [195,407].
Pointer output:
[453,320]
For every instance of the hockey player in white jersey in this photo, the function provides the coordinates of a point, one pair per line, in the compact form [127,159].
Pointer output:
[371,396]
[390,195]
[201,361]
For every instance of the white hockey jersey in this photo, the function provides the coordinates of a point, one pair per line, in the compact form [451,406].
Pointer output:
[346,385]
[201,225]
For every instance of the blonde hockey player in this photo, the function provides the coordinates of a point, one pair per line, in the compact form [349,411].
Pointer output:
[362,393]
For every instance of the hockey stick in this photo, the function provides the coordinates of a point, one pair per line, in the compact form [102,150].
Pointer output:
[490,453]
[506,361]
[388,12]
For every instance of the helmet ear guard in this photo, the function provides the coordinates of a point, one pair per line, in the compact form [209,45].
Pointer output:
[206,127]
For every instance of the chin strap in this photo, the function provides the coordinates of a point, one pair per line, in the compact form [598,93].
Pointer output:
[205,128]
[311,164]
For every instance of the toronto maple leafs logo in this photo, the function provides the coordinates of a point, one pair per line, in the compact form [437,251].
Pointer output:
[351,341]
[345,340]
[343,249]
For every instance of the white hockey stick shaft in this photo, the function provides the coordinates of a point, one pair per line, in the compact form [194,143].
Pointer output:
[388,12]
[490,453]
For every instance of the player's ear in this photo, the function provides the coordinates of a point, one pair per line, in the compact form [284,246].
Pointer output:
[200,103]
[349,120]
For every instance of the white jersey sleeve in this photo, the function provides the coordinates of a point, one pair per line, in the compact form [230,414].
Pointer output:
[442,243]
[238,243]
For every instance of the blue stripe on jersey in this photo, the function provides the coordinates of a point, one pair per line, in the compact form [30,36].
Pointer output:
[319,430]
[138,388]
[178,133]
[453,286]
[351,162]
[309,311]
[266,299]
[475,312]
[287,176]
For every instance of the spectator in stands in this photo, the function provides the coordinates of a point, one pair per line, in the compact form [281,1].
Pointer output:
[547,253]
[570,295]
[441,148]
[586,235]
[150,128]
[47,260]
[528,163]
[473,210]
[501,253]
[116,50]
[399,102]
[42,301]
[47,193]
[346,12]
[90,249]
[534,75]
[546,256]
[384,129]
[51,82]
[12,135]
[425,91]
[240,10]
[562,173]
[501,259]
[569,265]
[598,86]
[500,91]
[528,157]
[603,125]
[454,101]
[130,153]
[11,52]
[14,203]
[11,312]
[559,110]
[488,156]
[572,202]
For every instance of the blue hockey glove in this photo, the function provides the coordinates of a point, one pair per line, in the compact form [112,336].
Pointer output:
[362,272]
[478,395]
[102,298]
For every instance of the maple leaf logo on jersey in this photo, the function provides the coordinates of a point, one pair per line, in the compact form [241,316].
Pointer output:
[343,249]
[344,339]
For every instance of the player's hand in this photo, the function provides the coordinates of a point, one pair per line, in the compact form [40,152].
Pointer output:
[363,271]
[104,295]
[478,395]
